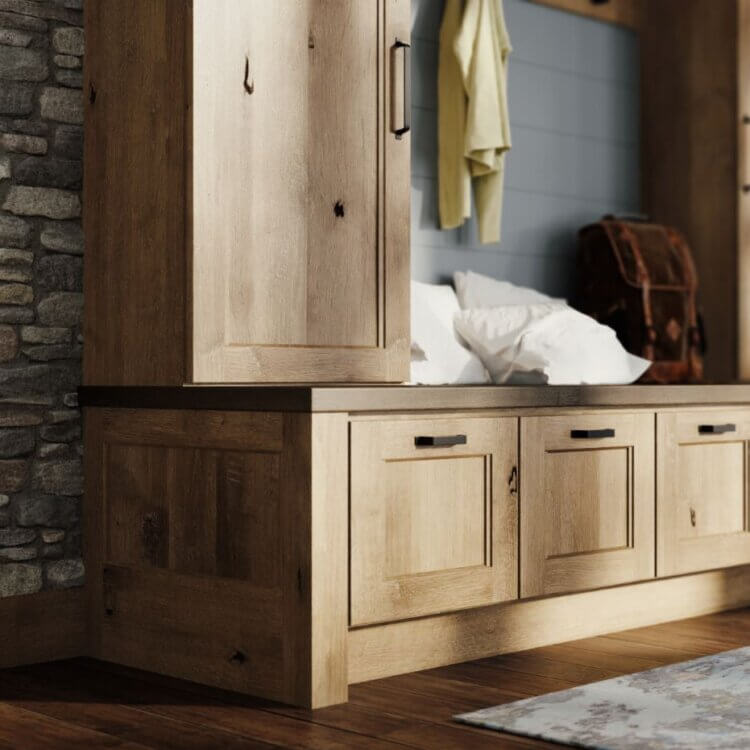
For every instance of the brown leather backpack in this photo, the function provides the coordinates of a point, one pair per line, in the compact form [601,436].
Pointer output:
[639,278]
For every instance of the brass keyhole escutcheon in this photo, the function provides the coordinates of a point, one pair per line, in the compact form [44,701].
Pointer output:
[692,517]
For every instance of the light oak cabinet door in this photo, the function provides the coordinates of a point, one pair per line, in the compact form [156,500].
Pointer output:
[301,190]
[702,490]
[587,501]
[433,516]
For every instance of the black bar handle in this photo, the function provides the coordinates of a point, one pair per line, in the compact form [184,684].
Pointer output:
[607,432]
[406,126]
[716,429]
[439,441]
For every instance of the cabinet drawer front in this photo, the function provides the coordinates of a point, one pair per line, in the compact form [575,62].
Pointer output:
[702,497]
[587,501]
[433,516]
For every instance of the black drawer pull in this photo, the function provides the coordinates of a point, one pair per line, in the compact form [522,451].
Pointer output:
[592,434]
[440,441]
[716,429]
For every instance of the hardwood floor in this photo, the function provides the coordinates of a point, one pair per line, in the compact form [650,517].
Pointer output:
[81,703]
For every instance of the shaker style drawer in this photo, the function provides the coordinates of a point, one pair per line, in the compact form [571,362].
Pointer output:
[433,516]
[587,501]
[702,490]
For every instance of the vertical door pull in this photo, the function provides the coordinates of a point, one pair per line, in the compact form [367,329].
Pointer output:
[405,48]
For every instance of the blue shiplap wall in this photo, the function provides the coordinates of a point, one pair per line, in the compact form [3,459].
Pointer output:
[574,108]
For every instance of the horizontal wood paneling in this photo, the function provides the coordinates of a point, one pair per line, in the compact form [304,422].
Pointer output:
[574,109]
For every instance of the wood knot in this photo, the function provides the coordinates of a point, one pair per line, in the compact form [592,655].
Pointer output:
[238,657]
[92,93]
[152,528]
[692,518]
[247,84]
[338,209]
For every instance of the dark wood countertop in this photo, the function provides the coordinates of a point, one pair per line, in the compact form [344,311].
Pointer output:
[359,398]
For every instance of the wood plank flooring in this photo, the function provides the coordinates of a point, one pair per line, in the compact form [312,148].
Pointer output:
[85,704]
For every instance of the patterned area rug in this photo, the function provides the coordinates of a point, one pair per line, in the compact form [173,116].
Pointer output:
[700,704]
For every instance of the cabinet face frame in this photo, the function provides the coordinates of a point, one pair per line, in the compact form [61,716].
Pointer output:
[486,575]
[307,352]
[678,553]
[548,440]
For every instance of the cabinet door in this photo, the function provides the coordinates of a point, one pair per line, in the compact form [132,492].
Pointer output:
[433,526]
[702,496]
[301,189]
[587,501]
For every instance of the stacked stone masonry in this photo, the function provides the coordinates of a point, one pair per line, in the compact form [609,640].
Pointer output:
[41,299]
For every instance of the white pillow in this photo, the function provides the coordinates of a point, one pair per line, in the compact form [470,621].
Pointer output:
[437,354]
[476,290]
[547,343]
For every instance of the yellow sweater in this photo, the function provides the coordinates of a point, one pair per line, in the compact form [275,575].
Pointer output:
[473,126]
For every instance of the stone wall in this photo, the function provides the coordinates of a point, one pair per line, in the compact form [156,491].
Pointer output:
[41,267]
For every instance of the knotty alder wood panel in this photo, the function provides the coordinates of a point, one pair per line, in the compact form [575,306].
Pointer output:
[134,186]
[199,548]
[703,519]
[301,202]
[432,528]
[587,503]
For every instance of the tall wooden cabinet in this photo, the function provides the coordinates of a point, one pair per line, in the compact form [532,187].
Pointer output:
[247,177]
[695,61]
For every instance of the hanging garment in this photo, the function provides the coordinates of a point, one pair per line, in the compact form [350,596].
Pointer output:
[473,126]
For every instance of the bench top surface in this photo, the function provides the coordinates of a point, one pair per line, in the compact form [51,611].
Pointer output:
[363,398]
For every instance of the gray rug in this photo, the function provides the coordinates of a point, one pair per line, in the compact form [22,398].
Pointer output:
[697,704]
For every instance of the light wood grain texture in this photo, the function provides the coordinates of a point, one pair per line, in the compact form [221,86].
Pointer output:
[395,198]
[432,529]
[134,189]
[329,552]
[400,647]
[703,519]
[743,194]
[689,63]
[217,548]
[621,12]
[219,632]
[587,505]
[195,510]
[42,627]
[288,281]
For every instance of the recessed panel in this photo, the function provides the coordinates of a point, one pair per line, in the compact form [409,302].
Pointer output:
[285,178]
[194,510]
[711,481]
[588,499]
[436,515]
